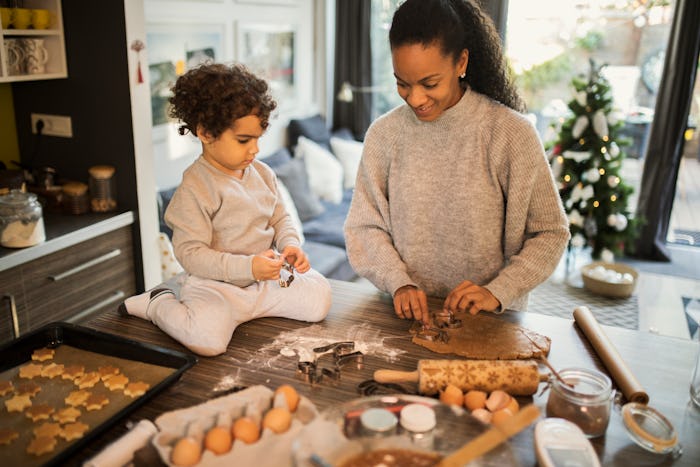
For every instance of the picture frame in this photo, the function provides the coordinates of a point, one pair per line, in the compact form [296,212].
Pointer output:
[269,50]
[172,50]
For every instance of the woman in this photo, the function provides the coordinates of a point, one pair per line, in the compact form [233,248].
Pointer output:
[454,195]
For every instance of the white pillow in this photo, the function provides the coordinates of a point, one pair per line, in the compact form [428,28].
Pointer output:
[348,153]
[324,171]
[291,209]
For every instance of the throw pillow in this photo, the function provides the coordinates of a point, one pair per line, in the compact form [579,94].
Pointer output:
[291,209]
[168,264]
[348,153]
[293,174]
[324,171]
[313,128]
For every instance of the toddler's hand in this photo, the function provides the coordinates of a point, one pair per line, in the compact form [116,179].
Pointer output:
[266,266]
[297,258]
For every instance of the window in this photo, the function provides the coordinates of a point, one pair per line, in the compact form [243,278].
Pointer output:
[385,98]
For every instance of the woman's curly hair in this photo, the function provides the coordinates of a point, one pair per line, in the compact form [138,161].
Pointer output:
[214,95]
[457,25]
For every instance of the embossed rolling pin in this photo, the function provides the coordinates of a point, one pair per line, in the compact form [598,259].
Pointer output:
[517,377]
[620,372]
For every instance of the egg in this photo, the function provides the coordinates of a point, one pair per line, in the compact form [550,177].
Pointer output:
[186,452]
[246,430]
[474,399]
[290,394]
[218,440]
[497,400]
[513,405]
[482,415]
[277,419]
[499,416]
[451,395]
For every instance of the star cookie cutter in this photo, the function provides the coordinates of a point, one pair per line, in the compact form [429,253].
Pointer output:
[286,275]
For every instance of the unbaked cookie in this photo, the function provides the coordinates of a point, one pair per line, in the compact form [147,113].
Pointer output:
[67,415]
[96,402]
[39,412]
[40,355]
[18,403]
[52,370]
[107,372]
[76,398]
[73,372]
[41,445]
[30,388]
[6,387]
[88,380]
[7,435]
[30,370]
[116,382]
[136,389]
[48,429]
[73,431]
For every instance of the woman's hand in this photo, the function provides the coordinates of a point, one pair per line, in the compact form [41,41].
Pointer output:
[411,302]
[297,258]
[468,296]
[267,266]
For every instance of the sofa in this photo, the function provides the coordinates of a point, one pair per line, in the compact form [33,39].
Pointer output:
[316,172]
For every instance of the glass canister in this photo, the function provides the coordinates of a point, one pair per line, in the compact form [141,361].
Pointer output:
[584,398]
[21,220]
[103,193]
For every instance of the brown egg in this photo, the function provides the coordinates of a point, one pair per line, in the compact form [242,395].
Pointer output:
[482,415]
[290,394]
[474,399]
[451,395]
[186,452]
[497,400]
[246,430]
[277,419]
[499,416]
[513,405]
[218,440]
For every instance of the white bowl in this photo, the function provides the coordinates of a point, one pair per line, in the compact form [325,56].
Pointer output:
[609,284]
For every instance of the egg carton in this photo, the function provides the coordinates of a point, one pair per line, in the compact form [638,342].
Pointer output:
[271,449]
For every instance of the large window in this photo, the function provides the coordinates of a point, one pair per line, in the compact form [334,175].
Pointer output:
[385,98]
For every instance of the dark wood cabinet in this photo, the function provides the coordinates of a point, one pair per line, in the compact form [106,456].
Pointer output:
[72,284]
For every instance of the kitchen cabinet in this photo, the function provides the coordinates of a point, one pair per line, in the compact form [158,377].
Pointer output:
[72,284]
[28,53]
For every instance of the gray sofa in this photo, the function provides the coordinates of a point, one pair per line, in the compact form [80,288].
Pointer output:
[322,221]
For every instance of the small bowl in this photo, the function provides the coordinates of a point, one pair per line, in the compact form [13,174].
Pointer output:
[606,288]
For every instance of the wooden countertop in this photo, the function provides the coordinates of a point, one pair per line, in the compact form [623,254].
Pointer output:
[663,365]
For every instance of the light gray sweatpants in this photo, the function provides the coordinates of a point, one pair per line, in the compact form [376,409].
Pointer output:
[208,311]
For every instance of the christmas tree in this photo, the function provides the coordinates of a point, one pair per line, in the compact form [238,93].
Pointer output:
[586,160]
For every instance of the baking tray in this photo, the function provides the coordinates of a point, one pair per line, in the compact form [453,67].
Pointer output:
[103,347]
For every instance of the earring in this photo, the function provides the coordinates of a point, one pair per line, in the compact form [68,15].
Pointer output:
[463,75]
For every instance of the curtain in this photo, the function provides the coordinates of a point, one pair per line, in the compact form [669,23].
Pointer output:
[353,64]
[665,147]
[498,10]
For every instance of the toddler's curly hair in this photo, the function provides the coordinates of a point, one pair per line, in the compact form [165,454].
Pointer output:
[213,95]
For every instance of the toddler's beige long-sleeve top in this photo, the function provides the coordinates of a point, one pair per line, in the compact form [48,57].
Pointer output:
[220,222]
[468,196]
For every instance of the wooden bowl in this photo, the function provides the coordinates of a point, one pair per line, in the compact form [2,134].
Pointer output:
[605,288]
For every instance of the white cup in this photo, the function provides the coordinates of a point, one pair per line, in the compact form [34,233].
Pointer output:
[35,55]
[14,54]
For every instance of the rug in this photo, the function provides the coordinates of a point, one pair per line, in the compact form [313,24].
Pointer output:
[559,299]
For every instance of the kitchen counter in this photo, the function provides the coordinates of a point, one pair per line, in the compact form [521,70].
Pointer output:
[62,231]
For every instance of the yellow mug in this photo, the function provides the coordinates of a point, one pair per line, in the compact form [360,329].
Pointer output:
[41,18]
[21,18]
[6,17]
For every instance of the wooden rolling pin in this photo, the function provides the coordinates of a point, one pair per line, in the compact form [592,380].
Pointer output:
[517,377]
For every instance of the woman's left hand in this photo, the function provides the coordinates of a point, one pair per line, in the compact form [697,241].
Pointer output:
[297,258]
[468,296]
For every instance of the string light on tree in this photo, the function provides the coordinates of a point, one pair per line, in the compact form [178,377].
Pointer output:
[586,159]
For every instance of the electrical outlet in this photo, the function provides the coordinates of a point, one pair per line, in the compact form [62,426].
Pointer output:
[54,125]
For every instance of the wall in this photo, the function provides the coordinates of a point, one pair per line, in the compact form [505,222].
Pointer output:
[9,150]
[172,152]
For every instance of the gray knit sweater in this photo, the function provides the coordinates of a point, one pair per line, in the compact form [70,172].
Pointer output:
[220,222]
[468,196]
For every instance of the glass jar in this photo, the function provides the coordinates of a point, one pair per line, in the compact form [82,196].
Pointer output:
[103,192]
[587,402]
[419,421]
[21,220]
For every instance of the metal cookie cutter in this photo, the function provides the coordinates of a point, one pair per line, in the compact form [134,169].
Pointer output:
[433,335]
[447,321]
[286,275]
